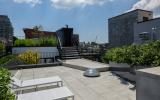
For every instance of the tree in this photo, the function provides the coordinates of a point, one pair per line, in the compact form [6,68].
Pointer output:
[38,30]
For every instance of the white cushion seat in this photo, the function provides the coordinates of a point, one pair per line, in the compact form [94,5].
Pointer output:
[50,94]
[36,82]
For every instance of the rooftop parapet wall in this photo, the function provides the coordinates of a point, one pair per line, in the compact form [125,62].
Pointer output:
[148,84]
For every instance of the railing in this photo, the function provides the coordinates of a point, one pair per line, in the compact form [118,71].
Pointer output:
[48,56]
[90,53]
[75,43]
[59,47]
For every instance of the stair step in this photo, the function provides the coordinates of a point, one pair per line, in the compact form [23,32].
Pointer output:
[70,57]
[76,54]
[69,48]
[70,53]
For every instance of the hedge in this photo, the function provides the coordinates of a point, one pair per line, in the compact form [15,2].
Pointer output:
[50,41]
[145,54]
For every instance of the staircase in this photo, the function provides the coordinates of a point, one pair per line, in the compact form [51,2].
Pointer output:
[70,53]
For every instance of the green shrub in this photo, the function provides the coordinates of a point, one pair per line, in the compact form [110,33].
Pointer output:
[50,41]
[150,54]
[132,54]
[5,91]
[6,59]
[146,54]
[119,55]
[126,54]
[29,57]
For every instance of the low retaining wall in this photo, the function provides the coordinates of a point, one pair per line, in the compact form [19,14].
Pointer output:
[34,66]
[47,54]
[118,65]
[148,84]
[113,66]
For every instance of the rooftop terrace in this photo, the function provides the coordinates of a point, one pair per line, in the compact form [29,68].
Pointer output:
[106,87]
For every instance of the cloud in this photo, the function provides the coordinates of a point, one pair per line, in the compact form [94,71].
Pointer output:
[31,2]
[153,5]
[68,4]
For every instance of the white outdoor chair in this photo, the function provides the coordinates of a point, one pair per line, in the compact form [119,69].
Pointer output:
[49,94]
[19,85]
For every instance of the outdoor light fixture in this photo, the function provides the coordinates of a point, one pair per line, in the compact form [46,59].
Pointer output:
[91,73]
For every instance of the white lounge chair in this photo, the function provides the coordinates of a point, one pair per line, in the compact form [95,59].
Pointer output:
[22,85]
[49,94]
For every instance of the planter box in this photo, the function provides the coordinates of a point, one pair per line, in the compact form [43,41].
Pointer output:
[45,52]
[118,65]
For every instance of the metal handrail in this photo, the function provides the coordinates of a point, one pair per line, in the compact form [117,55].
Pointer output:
[59,47]
[59,42]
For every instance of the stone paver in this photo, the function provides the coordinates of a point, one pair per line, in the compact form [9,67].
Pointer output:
[84,64]
[105,87]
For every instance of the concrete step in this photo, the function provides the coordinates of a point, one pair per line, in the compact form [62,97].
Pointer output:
[70,53]
[70,57]
[69,48]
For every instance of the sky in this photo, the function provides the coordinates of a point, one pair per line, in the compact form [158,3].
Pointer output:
[89,18]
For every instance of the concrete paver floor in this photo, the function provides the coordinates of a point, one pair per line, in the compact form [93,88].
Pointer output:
[106,87]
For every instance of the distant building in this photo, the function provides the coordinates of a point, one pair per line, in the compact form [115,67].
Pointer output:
[75,39]
[33,34]
[67,37]
[121,27]
[6,30]
[147,31]
[64,34]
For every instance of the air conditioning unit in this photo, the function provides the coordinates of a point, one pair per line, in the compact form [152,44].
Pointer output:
[144,35]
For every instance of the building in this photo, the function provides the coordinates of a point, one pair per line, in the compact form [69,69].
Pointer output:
[147,31]
[121,27]
[75,39]
[33,34]
[6,30]
[66,37]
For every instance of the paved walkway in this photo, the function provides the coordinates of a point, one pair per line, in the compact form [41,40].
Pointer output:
[106,87]
[84,64]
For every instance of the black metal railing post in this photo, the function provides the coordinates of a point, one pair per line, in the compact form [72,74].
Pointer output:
[59,47]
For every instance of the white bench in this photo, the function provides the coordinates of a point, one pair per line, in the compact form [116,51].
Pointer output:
[22,85]
[49,94]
